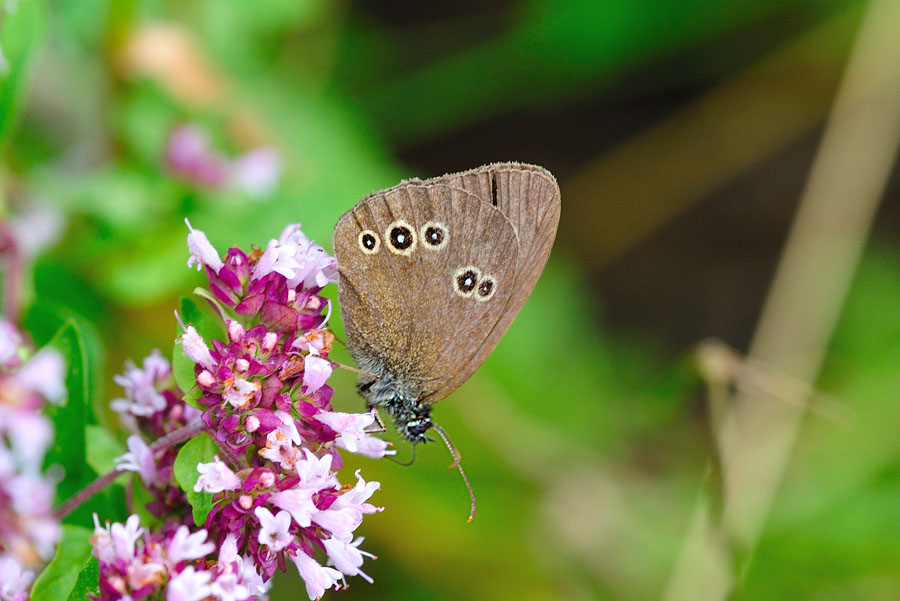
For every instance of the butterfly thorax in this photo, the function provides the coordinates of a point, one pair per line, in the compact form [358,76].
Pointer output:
[400,398]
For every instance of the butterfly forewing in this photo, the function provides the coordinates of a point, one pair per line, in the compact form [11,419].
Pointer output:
[404,306]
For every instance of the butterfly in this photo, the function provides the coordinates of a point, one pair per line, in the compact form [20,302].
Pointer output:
[431,275]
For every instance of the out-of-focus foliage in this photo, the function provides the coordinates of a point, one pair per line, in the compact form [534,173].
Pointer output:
[587,433]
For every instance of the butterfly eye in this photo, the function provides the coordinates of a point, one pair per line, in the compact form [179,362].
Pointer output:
[465,279]
[487,286]
[401,238]
[369,242]
[435,235]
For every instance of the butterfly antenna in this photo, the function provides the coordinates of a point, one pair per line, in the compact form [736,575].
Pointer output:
[404,463]
[457,465]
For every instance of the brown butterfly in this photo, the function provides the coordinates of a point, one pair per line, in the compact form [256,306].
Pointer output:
[431,274]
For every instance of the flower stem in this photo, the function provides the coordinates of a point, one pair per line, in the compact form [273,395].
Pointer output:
[169,440]
[178,436]
[86,493]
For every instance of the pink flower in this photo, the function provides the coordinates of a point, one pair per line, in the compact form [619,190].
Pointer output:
[116,541]
[216,477]
[317,268]
[257,172]
[357,496]
[298,502]
[274,530]
[240,392]
[139,458]
[14,581]
[315,472]
[288,427]
[185,545]
[316,371]
[298,259]
[314,341]
[346,556]
[236,331]
[350,426]
[195,348]
[32,496]
[318,579]
[37,227]
[141,386]
[10,342]
[369,446]
[189,585]
[279,258]
[30,433]
[341,522]
[345,514]
[202,251]
[44,373]
[190,155]
[237,578]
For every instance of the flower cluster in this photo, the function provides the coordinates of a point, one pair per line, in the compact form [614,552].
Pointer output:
[261,394]
[189,154]
[28,531]
[152,408]
[134,564]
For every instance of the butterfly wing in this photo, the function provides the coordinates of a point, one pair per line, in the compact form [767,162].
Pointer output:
[529,198]
[403,308]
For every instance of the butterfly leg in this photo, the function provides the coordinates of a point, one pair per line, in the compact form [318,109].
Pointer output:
[381,427]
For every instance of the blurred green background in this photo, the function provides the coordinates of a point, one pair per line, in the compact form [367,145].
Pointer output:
[682,135]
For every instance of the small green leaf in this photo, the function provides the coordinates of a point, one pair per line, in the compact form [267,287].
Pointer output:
[87,581]
[208,326]
[192,398]
[199,449]
[183,368]
[102,449]
[70,419]
[58,580]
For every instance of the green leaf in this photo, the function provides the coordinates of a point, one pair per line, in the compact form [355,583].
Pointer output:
[192,398]
[22,33]
[69,420]
[87,581]
[102,449]
[199,449]
[58,580]
[208,327]
[183,369]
